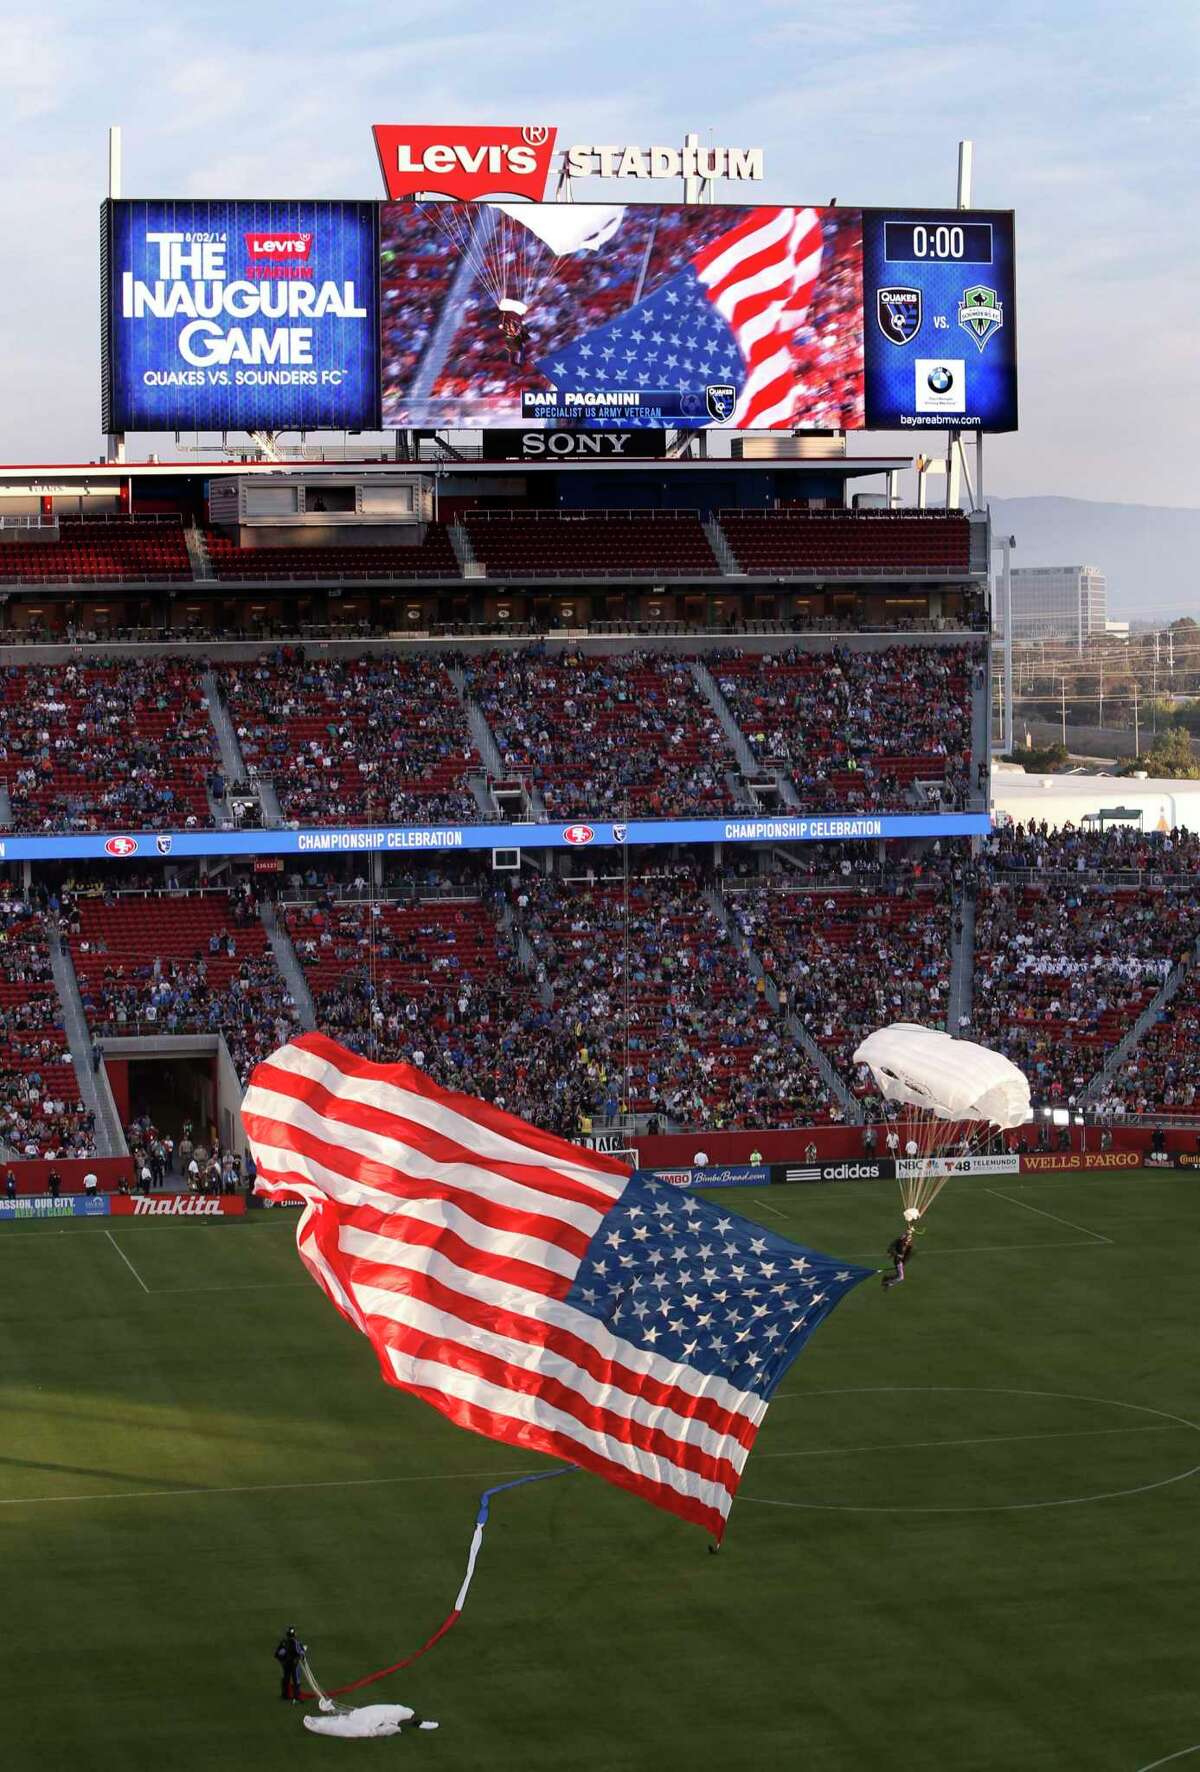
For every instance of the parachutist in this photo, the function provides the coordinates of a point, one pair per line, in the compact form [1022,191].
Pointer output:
[901,1250]
[515,334]
[289,1655]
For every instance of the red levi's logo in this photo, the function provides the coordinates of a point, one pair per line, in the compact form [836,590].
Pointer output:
[465,163]
[278,246]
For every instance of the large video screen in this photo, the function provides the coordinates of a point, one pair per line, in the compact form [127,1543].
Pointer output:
[339,316]
[749,318]
[240,316]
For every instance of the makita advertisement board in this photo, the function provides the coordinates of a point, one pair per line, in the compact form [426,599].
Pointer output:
[418,839]
[240,316]
[177,1205]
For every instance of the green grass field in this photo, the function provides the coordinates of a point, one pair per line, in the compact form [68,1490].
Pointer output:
[966,1541]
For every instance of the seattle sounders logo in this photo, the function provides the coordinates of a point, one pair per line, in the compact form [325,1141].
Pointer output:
[980,313]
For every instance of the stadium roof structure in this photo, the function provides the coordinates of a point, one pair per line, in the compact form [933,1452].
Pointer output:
[1163,804]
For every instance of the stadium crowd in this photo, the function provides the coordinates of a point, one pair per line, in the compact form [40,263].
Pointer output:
[90,746]
[352,741]
[854,729]
[600,734]
[41,1114]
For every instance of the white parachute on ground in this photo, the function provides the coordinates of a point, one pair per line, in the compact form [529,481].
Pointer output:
[953,1092]
[514,248]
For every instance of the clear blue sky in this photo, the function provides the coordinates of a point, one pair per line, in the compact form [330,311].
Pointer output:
[1083,117]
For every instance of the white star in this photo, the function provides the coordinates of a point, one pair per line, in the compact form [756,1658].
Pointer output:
[602,1268]
[661,1209]
[717,1345]
[709,1275]
[734,1316]
[731,1249]
[758,1245]
[614,1239]
[585,350]
[705,1322]
[722,1295]
[690,1349]
[798,1266]
[753,1360]
[637,335]
[671,361]
[640,1311]
[635,1212]
[654,1256]
[672,297]
[692,1300]
[771,1331]
[742,1335]
[588,1295]
[656,338]
[626,1260]
[767,1268]
[651,1335]
[705,1252]
[760,1310]
[642,1231]
[818,1298]
[659,1281]
[843,1275]
[608,351]
[559,368]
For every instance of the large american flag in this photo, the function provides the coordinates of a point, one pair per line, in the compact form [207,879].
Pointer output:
[532,1290]
[731,315]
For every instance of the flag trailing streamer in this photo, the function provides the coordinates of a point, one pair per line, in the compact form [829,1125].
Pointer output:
[533,1291]
[326,1698]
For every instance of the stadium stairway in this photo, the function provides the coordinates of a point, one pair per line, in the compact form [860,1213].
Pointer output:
[489,751]
[1094,1091]
[94,1089]
[464,553]
[232,760]
[837,1089]
[526,958]
[752,770]
[197,547]
[6,811]
[960,999]
[718,541]
[288,961]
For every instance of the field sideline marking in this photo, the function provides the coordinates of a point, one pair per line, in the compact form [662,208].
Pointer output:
[1181,1755]
[997,1195]
[1084,1433]
[263,1488]
[1003,1507]
[127,1261]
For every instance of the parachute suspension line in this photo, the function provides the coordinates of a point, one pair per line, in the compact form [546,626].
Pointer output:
[326,1698]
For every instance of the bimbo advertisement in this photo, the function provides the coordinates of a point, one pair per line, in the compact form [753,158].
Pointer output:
[240,315]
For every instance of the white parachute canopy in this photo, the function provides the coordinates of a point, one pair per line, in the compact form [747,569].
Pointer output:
[954,1080]
[513,248]
[953,1092]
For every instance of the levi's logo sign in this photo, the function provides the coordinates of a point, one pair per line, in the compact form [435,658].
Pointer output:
[465,163]
[276,246]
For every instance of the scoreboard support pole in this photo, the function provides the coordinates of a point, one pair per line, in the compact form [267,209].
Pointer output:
[956,467]
[114,443]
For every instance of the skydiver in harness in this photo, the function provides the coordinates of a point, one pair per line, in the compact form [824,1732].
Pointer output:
[901,1250]
[289,1655]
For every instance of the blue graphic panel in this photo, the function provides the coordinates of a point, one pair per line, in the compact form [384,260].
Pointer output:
[241,316]
[409,839]
[939,319]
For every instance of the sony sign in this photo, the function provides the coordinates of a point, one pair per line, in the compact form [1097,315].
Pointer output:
[452,160]
[554,445]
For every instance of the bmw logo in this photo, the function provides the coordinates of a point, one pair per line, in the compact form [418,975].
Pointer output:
[940,379]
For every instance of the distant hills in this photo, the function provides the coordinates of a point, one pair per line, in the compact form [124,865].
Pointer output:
[1150,554]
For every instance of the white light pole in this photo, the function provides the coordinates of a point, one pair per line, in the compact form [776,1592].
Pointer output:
[1005,544]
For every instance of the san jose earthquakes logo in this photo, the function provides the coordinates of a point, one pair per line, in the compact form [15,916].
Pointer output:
[980,313]
[720,397]
[898,311]
[163,845]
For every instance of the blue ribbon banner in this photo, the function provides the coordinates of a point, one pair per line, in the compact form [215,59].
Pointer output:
[43,1206]
[423,839]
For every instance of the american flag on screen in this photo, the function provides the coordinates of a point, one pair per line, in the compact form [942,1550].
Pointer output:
[531,1290]
[729,316]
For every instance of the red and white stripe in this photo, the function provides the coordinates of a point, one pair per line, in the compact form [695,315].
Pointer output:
[761,277]
[450,1233]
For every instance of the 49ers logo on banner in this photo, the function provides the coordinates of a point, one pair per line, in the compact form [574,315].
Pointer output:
[465,163]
